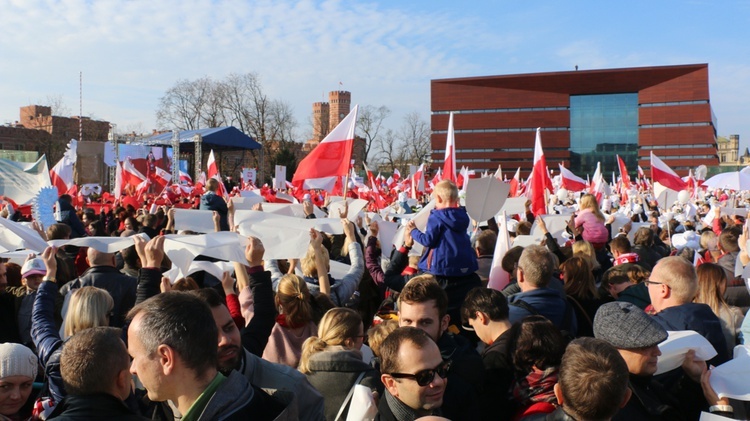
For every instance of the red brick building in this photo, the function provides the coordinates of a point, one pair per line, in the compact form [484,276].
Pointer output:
[586,117]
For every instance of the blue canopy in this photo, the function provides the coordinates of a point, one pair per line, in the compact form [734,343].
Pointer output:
[227,137]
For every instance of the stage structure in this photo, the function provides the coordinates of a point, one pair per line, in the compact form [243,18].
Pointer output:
[192,142]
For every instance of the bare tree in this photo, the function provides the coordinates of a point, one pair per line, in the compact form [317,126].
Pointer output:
[57,104]
[184,106]
[389,151]
[369,121]
[415,137]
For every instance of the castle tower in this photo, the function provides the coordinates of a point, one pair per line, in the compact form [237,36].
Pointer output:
[340,105]
[321,112]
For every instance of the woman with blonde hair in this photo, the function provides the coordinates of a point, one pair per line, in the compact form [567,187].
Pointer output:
[294,324]
[712,284]
[88,307]
[591,219]
[584,249]
[333,362]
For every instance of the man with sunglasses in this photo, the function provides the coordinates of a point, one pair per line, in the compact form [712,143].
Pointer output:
[424,304]
[414,375]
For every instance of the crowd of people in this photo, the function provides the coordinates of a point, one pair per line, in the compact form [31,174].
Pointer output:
[575,334]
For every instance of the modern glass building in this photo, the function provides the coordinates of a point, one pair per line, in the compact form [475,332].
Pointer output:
[586,117]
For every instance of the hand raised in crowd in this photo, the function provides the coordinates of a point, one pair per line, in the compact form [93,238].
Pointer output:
[254,252]
[151,253]
[542,225]
[343,213]
[374,228]
[165,285]
[410,225]
[408,239]
[227,283]
[50,262]
[709,393]
[316,239]
[39,229]
[258,207]
[307,207]
[348,229]
[217,220]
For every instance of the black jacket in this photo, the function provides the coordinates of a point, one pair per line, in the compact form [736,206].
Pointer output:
[465,378]
[100,406]
[494,399]
[650,401]
[121,287]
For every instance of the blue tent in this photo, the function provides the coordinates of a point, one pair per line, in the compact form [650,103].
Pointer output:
[222,137]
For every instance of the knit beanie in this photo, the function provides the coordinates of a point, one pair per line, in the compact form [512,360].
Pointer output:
[626,326]
[17,360]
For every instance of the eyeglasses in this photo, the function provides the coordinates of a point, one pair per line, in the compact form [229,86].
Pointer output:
[650,282]
[425,377]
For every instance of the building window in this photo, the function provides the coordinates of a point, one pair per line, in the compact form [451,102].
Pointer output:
[19,147]
[602,127]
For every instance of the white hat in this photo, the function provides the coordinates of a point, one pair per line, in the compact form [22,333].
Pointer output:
[686,239]
[17,360]
[34,266]
[511,224]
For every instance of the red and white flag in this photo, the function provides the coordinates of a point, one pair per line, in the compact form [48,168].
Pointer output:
[540,180]
[515,184]
[118,181]
[130,175]
[61,175]
[185,178]
[662,174]
[396,174]
[162,178]
[212,171]
[623,173]
[570,181]
[330,159]
[499,173]
[499,278]
[449,164]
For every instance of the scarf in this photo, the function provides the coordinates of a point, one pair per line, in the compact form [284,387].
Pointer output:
[627,258]
[281,320]
[537,386]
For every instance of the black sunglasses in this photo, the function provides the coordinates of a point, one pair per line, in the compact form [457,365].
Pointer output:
[425,377]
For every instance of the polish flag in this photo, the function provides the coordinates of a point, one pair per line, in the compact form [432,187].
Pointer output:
[662,174]
[417,184]
[212,171]
[499,278]
[514,183]
[185,178]
[130,175]
[436,179]
[570,181]
[162,178]
[61,175]
[540,180]
[449,164]
[396,175]
[330,159]
[623,173]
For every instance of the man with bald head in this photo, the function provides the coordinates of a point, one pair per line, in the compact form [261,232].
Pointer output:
[102,273]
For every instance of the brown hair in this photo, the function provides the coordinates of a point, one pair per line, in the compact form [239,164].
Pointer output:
[537,343]
[593,379]
[712,280]
[294,299]
[377,334]
[185,284]
[92,359]
[424,288]
[579,279]
[392,344]
[620,244]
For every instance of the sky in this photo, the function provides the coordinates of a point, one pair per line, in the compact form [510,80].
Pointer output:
[384,52]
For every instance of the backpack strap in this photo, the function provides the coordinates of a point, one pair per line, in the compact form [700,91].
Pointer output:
[526,306]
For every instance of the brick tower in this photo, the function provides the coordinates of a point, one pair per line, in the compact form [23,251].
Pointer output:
[340,105]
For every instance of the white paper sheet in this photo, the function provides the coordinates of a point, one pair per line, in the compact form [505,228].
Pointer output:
[283,237]
[355,206]
[514,206]
[734,211]
[102,244]
[732,379]
[247,203]
[555,225]
[182,249]
[216,269]
[677,345]
[707,416]
[526,240]
[485,197]
[194,220]
[15,236]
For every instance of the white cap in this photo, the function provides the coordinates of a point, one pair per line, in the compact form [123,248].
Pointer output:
[34,266]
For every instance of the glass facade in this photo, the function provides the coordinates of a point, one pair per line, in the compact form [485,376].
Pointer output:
[602,127]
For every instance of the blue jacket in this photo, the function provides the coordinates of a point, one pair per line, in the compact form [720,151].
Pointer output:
[47,339]
[447,245]
[213,202]
[700,318]
[548,303]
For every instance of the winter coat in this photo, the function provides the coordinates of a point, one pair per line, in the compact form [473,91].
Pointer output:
[448,250]
[121,287]
[101,406]
[236,399]
[213,202]
[594,230]
[333,373]
[548,303]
